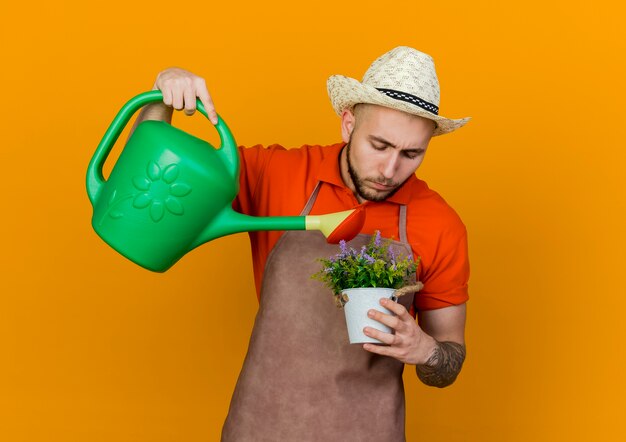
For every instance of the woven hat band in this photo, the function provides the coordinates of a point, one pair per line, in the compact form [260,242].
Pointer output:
[417,101]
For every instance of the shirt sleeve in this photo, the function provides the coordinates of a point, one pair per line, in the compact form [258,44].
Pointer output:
[446,278]
[252,161]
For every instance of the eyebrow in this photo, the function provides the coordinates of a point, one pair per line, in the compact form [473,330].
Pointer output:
[389,143]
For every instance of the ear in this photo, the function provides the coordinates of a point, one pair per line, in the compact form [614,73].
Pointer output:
[347,124]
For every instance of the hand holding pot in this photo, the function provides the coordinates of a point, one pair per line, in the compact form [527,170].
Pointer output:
[180,89]
[410,344]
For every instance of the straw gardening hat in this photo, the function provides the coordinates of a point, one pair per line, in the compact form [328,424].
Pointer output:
[403,79]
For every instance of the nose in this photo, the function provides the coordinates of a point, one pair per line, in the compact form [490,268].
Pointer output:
[390,165]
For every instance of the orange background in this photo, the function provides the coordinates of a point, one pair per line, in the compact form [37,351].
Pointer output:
[93,347]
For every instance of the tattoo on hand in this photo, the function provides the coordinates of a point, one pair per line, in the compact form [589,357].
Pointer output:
[443,366]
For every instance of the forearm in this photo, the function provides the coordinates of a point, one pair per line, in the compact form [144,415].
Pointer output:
[154,111]
[443,366]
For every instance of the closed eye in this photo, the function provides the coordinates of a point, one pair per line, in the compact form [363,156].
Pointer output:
[381,144]
[412,154]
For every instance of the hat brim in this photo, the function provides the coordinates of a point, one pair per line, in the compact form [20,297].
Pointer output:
[346,92]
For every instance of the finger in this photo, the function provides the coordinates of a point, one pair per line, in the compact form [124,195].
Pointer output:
[396,308]
[207,101]
[386,338]
[190,100]
[167,97]
[177,98]
[383,318]
[379,349]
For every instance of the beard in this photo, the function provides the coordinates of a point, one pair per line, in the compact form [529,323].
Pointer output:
[360,183]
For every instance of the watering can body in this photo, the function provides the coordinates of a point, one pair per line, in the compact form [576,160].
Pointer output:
[163,192]
[170,192]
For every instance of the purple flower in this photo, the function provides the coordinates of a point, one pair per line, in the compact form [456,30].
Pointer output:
[368,258]
[377,239]
[344,248]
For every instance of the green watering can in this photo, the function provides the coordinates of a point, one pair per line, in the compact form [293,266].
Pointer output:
[170,192]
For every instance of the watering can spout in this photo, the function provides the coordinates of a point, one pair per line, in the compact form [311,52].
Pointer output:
[335,226]
[228,222]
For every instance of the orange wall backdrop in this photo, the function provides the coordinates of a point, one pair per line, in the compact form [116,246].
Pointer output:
[95,348]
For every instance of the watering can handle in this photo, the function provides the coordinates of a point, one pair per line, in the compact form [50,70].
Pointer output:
[95,179]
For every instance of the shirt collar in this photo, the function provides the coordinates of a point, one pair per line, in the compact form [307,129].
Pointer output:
[329,172]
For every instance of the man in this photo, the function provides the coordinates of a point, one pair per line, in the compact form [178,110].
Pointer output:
[301,380]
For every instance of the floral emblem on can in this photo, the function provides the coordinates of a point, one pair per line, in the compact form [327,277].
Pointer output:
[160,191]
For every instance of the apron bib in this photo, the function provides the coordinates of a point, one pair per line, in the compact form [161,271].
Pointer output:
[301,380]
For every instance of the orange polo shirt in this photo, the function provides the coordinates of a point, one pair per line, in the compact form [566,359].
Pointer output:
[275,181]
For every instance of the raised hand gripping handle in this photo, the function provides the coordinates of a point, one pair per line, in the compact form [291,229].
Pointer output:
[95,179]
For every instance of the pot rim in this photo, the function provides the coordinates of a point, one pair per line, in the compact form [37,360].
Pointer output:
[369,288]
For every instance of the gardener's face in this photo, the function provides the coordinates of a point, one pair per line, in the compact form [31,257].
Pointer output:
[385,147]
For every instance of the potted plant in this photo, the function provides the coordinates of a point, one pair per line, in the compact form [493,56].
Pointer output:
[359,279]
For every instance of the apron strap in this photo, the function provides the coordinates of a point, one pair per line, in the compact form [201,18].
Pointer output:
[402,225]
[402,229]
[311,201]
